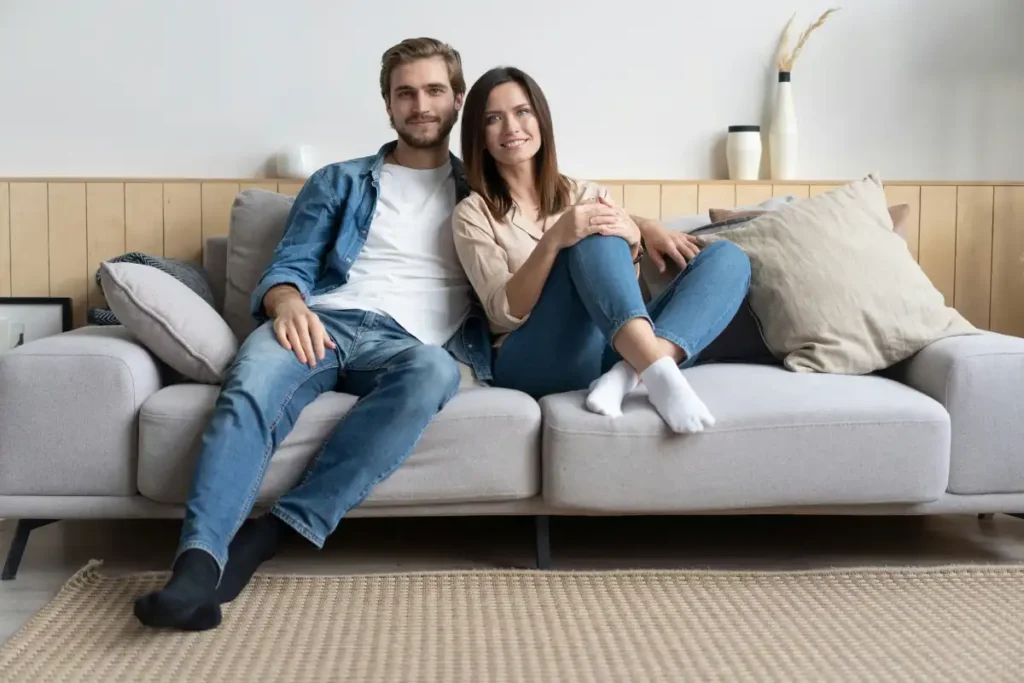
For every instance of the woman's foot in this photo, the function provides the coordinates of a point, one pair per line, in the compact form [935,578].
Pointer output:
[674,398]
[608,390]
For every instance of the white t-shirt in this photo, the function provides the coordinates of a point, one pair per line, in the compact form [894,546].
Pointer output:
[408,268]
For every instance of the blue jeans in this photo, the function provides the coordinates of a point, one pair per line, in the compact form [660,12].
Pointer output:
[401,384]
[592,291]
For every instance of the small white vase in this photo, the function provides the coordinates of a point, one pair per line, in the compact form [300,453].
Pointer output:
[295,162]
[782,138]
[743,152]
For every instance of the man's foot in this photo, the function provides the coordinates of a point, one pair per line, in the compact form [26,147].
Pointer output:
[608,390]
[674,398]
[255,543]
[188,601]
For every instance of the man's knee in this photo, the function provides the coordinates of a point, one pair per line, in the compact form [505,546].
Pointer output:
[432,370]
[260,360]
[262,346]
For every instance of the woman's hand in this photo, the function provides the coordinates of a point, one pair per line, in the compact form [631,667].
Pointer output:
[663,244]
[593,217]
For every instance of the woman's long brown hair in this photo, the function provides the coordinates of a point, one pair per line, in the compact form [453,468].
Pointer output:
[481,171]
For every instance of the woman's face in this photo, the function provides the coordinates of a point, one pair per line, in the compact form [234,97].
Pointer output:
[511,132]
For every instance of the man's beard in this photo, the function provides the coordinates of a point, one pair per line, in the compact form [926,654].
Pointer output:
[428,140]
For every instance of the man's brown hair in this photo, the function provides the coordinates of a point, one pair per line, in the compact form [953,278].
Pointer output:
[414,49]
[481,171]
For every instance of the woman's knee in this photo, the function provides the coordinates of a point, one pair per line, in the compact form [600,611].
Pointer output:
[728,259]
[600,243]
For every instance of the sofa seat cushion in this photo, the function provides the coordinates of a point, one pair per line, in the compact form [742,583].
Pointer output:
[780,438]
[483,446]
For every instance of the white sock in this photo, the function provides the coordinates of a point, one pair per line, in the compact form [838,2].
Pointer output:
[608,390]
[674,398]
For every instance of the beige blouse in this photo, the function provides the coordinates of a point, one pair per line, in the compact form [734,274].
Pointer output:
[493,249]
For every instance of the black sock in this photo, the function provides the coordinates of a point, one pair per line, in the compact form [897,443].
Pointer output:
[188,601]
[255,543]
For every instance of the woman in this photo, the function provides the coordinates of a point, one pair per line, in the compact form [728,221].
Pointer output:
[553,261]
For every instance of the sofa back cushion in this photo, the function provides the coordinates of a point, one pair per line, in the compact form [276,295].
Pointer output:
[215,263]
[258,220]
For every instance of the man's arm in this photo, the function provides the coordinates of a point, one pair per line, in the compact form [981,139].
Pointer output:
[663,245]
[309,233]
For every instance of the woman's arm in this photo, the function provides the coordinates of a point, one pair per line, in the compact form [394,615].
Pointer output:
[486,265]
[524,288]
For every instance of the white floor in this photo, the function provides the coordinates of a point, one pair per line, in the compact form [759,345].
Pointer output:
[367,545]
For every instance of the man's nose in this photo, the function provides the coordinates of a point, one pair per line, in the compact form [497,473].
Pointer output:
[422,103]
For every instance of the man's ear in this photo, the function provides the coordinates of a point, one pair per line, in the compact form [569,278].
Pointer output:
[458,102]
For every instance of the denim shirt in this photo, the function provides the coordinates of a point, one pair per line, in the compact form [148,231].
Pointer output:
[325,232]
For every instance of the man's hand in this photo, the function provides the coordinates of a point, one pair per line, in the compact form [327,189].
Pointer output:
[663,244]
[297,328]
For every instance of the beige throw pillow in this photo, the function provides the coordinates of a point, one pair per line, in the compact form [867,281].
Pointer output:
[899,214]
[835,289]
[170,320]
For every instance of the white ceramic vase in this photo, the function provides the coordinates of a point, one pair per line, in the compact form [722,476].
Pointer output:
[295,162]
[743,152]
[782,138]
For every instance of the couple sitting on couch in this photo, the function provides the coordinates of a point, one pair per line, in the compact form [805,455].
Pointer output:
[371,292]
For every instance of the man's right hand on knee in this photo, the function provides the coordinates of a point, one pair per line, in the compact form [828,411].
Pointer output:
[297,328]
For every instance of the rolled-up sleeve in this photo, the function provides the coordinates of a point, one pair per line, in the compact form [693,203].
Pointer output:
[486,265]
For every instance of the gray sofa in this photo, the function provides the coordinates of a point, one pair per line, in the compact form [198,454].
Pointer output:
[90,427]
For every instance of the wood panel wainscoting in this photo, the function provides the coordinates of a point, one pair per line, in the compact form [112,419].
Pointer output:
[54,233]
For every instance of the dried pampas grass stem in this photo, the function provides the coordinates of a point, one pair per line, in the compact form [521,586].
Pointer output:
[787,59]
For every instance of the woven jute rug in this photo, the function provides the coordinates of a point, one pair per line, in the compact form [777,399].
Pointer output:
[941,624]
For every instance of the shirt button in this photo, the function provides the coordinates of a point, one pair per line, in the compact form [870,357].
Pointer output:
[348,259]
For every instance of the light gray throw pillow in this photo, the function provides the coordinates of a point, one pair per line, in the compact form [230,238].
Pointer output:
[170,320]
[258,219]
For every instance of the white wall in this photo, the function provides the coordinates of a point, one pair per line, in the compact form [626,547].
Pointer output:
[915,89]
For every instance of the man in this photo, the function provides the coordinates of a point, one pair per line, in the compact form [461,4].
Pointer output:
[365,295]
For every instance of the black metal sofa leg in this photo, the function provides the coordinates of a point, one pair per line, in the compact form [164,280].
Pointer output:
[543,533]
[989,515]
[21,533]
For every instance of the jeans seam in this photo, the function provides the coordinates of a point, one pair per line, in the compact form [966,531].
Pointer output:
[205,547]
[630,315]
[297,525]
[269,451]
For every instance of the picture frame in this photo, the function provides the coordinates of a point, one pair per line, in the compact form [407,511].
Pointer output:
[24,319]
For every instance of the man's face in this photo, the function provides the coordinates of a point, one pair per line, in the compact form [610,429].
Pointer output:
[423,107]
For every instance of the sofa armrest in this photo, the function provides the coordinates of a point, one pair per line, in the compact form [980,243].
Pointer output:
[68,409]
[979,379]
